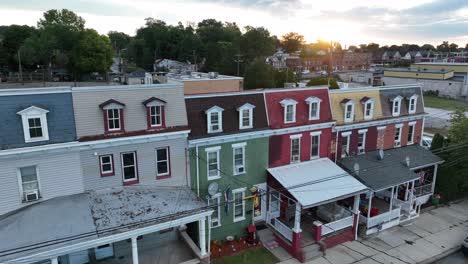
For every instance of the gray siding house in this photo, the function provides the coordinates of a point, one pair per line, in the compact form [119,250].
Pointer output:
[39,158]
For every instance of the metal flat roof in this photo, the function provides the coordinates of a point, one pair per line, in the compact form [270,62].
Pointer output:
[317,181]
[379,174]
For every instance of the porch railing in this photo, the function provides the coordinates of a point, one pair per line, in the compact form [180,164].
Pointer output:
[384,217]
[406,206]
[282,228]
[423,190]
[337,225]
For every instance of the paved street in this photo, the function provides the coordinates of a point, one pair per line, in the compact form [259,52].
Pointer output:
[423,241]
[455,258]
[438,118]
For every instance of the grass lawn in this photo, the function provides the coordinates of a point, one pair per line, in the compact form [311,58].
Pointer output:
[261,255]
[444,103]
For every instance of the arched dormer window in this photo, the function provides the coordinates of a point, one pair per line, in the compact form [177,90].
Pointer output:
[246,116]
[155,112]
[348,106]
[314,107]
[396,105]
[413,100]
[289,106]
[34,121]
[215,119]
[368,106]
[113,116]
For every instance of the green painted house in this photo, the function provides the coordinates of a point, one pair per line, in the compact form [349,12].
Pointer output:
[228,153]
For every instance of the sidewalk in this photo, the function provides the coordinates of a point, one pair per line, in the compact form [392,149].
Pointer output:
[430,236]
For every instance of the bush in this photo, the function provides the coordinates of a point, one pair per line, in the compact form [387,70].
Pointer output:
[323,81]
[431,93]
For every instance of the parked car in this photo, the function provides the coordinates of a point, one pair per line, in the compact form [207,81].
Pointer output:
[465,247]
[426,142]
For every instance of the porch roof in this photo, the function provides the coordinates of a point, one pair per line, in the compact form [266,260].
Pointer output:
[68,220]
[379,174]
[316,182]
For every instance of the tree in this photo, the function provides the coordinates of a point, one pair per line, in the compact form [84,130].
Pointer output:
[444,47]
[458,130]
[428,47]
[323,81]
[258,74]
[13,38]
[92,53]
[292,42]
[373,47]
[437,142]
[453,47]
[256,42]
[119,40]
[62,17]
[282,77]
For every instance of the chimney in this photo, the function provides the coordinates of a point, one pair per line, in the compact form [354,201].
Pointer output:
[380,154]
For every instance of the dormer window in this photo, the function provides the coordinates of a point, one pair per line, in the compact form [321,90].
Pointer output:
[246,116]
[155,112]
[396,106]
[113,116]
[314,107]
[348,110]
[289,106]
[412,104]
[215,119]
[34,121]
[368,104]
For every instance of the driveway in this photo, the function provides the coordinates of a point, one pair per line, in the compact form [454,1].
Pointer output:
[438,118]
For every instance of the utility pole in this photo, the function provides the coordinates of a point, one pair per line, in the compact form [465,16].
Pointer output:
[238,61]
[195,60]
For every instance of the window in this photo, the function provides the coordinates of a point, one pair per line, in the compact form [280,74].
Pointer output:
[398,128]
[315,145]
[314,107]
[239,204]
[34,120]
[345,144]
[239,158]
[295,148]
[129,167]
[411,126]
[362,141]
[412,104]
[106,162]
[274,202]
[113,120]
[368,108]
[213,163]
[246,116]
[396,106]
[215,119]
[289,110]
[162,162]
[349,111]
[29,184]
[214,204]
[156,115]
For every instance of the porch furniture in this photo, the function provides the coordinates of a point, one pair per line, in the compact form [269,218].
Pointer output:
[332,212]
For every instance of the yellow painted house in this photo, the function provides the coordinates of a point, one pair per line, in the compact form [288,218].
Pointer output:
[358,102]
[432,74]
[456,67]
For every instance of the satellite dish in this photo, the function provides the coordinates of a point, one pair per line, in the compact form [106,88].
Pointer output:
[213,188]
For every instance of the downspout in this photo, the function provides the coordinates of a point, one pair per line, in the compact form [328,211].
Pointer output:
[198,172]
[336,146]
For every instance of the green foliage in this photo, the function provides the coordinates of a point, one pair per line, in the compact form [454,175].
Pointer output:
[458,130]
[13,38]
[259,75]
[323,81]
[437,142]
[92,53]
[119,40]
[292,42]
[62,17]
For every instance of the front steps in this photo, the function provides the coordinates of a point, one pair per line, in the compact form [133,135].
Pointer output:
[312,252]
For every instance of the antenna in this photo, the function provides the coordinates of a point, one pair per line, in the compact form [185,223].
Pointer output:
[238,61]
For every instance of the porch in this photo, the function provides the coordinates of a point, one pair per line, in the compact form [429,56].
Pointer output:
[308,204]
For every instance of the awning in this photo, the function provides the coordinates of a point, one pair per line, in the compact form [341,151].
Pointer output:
[317,181]
[379,174]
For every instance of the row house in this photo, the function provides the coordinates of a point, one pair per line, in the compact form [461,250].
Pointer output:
[228,153]
[307,200]
[381,128]
[128,165]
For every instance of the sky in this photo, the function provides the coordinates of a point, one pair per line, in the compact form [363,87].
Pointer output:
[349,22]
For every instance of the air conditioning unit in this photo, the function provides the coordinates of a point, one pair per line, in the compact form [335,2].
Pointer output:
[397,144]
[360,150]
[240,169]
[31,196]
[296,158]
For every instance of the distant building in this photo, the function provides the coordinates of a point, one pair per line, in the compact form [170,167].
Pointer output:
[173,66]
[202,83]
[139,77]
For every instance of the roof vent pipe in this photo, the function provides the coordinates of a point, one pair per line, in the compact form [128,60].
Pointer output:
[356,168]
[381,154]
[407,161]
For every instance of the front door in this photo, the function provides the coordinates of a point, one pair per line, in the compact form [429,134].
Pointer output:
[260,208]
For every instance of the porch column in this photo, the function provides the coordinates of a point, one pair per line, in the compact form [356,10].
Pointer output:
[357,198]
[209,234]
[406,191]
[134,250]
[391,199]
[202,238]
[369,207]
[297,218]
[434,177]
[54,260]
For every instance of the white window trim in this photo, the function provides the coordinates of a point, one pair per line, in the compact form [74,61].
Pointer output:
[285,103]
[210,150]
[371,115]
[155,115]
[346,135]
[381,128]
[215,109]
[20,184]
[240,190]
[120,119]
[168,162]
[218,198]
[415,98]
[397,143]
[34,112]
[135,165]
[363,132]
[396,99]
[234,147]
[315,134]
[111,163]
[250,108]
[311,100]
[351,119]
[412,124]
[292,137]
